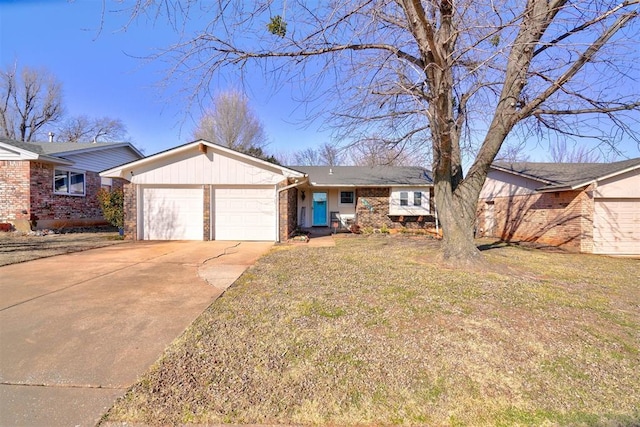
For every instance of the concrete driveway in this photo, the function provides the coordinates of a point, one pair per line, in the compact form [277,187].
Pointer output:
[77,330]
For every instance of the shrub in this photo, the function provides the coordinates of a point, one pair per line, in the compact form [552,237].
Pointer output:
[112,205]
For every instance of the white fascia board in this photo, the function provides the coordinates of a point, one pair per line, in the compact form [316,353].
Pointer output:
[120,171]
[30,155]
[512,172]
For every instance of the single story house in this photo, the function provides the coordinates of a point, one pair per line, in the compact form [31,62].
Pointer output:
[584,207]
[203,191]
[371,197]
[54,185]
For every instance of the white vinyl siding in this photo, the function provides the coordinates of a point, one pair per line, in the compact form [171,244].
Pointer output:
[244,214]
[172,213]
[99,160]
[616,226]
[194,167]
[409,201]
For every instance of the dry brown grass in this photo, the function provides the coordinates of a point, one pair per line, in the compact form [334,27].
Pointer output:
[17,247]
[371,332]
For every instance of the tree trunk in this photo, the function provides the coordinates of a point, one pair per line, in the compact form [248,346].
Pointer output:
[457,216]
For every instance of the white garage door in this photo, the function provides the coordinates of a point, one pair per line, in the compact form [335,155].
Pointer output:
[616,226]
[244,214]
[172,213]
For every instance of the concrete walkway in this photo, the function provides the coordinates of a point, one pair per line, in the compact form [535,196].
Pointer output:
[77,330]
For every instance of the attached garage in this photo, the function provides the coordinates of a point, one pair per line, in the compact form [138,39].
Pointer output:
[202,191]
[616,226]
[172,213]
[587,207]
[244,214]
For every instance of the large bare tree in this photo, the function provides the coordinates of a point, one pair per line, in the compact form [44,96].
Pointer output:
[86,129]
[231,122]
[377,152]
[30,99]
[326,154]
[459,75]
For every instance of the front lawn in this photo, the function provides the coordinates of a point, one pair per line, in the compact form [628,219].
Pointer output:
[371,332]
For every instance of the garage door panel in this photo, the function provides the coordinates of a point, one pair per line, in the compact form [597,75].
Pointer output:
[244,214]
[172,213]
[616,226]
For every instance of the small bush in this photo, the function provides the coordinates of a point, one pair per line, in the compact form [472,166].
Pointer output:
[112,205]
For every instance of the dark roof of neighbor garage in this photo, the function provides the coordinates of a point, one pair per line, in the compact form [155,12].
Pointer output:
[565,176]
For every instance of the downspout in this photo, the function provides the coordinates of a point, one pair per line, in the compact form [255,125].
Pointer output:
[304,180]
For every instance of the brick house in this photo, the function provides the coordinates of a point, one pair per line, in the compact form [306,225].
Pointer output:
[372,197]
[54,185]
[203,191]
[582,207]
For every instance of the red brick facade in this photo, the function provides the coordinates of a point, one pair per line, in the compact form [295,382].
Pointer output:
[130,211]
[15,190]
[563,219]
[288,210]
[29,201]
[372,211]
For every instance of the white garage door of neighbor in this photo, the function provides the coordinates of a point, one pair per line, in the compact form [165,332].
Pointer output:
[244,214]
[172,213]
[616,226]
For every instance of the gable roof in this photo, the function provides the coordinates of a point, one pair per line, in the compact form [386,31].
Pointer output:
[54,152]
[122,170]
[18,150]
[567,176]
[366,176]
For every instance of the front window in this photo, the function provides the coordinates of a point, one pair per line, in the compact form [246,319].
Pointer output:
[69,182]
[409,201]
[346,197]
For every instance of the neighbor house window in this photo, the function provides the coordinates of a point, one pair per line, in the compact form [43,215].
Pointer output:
[404,198]
[69,182]
[417,198]
[347,197]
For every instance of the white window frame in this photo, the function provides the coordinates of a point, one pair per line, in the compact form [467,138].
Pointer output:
[353,198]
[410,208]
[69,173]
[106,183]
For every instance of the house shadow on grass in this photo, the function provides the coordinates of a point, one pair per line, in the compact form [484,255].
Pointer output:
[488,244]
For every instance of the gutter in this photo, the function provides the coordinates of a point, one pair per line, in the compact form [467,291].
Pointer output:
[305,180]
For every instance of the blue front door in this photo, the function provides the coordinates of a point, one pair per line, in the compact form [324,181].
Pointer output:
[319,209]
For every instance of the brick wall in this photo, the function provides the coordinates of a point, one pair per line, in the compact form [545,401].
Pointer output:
[206,215]
[14,192]
[372,210]
[49,210]
[288,210]
[372,207]
[28,201]
[563,219]
[130,211]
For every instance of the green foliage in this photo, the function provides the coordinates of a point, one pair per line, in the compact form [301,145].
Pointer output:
[112,205]
[260,154]
[277,26]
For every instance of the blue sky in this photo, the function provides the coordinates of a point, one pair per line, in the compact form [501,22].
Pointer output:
[103,75]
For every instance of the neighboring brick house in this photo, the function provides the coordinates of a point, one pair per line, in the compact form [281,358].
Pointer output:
[583,207]
[376,197]
[55,185]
